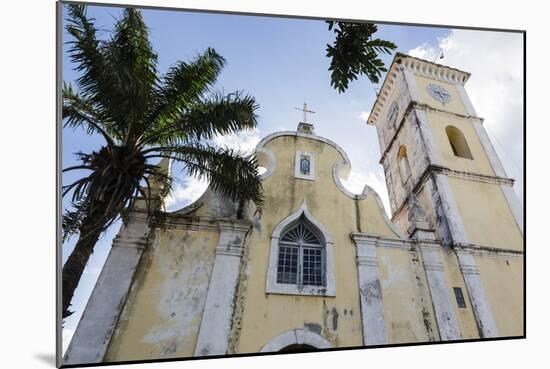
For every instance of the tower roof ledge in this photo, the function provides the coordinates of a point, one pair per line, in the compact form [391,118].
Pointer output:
[417,66]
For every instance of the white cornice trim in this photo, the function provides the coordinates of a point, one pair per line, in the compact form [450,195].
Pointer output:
[194,223]
[402,62]
[367,190]
[383,241]
[492,252]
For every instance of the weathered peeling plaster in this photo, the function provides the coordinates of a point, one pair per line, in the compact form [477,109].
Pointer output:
[439,290]
[182,296]
[370,291]
[479,302]
[215,329]
[97,324]
[240,299]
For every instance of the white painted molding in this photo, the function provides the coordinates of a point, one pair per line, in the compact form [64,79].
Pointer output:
[478,300]
[450,209]
[402,62]
[367,190]
[291,289]
[303,209]
[191,223]
[384,241]
[271,161]
[98,322]
[468,266]
[490,252]
[433,70]
[215,327]
[514,204]
[496,164]
[296,337]
[370,291]
[411,85]
[434,156]
[443,306]
[336,169]
[466,99]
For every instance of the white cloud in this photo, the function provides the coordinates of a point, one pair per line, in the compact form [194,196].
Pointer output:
[188,189]
[358,179]
[424,51]
[185,193]
[364,115]
[244,141]
[495,60]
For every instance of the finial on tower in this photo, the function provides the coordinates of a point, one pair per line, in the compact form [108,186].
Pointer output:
[304,126]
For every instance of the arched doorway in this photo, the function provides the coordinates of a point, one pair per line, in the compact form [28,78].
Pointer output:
[294,348]
[296,340]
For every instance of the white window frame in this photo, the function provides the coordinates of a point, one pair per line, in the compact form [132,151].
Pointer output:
[294,289]
[297,173]
[301,246]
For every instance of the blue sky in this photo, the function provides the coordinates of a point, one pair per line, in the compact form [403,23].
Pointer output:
[282,63]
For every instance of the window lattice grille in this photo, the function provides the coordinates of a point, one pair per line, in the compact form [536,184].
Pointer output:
[301,258]
[287,270]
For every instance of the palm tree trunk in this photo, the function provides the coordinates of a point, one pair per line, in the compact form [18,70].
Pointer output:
[75,264]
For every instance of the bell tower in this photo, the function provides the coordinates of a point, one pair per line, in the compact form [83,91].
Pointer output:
[433,144]
[437,156]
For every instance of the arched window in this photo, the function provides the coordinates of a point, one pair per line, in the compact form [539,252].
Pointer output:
[403,162]
[301,257]
[458,142]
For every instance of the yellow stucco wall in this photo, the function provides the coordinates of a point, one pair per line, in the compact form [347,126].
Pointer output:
[480,164]
[455,105]
[163,312]
[405,318]
[486,215]
[162,315]
[502,279]
[465,316]
[338,319]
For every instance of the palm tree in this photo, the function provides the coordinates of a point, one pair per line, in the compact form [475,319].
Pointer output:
[143,117]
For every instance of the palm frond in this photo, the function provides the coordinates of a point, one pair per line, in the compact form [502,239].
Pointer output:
[217,115]
[78,112]
[132,68]
[183,85]
[231,175]
[86,53]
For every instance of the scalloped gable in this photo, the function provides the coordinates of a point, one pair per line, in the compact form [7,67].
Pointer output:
[373,213]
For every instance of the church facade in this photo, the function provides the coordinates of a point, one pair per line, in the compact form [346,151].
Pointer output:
[323,267]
